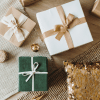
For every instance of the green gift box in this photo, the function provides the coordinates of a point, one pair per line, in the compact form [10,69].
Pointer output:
[33,74]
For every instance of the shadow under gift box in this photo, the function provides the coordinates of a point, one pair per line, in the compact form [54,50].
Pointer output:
[38,81]
[28,25]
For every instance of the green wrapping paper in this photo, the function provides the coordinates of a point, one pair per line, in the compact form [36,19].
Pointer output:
[40,80]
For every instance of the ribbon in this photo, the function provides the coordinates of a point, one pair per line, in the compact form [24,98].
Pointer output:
[30,74]
[15,27]
[62,30]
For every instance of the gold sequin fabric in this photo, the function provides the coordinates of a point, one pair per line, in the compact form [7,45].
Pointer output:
[83,81]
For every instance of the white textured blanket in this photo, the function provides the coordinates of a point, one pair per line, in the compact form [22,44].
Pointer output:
[9,69]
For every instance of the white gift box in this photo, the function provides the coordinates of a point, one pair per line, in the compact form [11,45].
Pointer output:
[80,34]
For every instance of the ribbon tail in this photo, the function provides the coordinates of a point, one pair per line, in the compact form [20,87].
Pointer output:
[19,35]
[9,34]
[7,20]
[69,19]
[49,33]
[25,32]
[29,77]
[59,36]
[25,73]
[69,40]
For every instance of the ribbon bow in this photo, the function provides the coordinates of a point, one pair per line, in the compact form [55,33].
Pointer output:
[61,30]
[68,23]
[30,73]
[15,27]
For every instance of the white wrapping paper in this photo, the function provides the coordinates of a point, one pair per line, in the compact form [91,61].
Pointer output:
[80,34]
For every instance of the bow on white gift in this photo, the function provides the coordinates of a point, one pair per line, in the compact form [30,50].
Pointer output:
[15,27]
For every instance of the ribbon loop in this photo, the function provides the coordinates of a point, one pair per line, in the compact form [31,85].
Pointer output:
[36,65]
[75,22]
[69,19]
[25,74]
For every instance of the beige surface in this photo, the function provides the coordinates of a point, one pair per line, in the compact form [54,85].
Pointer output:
[94,24]
[8,70]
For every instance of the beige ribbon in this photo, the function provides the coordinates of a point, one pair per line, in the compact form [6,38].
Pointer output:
[62,30]
[15,27]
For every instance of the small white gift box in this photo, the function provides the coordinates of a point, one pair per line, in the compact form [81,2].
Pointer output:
[52,23]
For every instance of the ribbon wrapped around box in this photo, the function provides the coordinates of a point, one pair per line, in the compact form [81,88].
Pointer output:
[96,8]
[15,26]
[33,74]
[64,27]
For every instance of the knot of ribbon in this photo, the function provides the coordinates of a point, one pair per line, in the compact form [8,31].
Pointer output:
[15,27]
[68,23]
[63,30]
[31,73]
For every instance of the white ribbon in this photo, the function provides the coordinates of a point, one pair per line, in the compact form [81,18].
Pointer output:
[15,27]
[31,73]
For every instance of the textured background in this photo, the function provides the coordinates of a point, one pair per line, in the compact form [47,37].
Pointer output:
[93,22]
[9,69]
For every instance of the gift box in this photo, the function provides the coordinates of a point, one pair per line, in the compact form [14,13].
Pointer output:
[16,27]
[96,8]
[64,27]
[33,75]
[27,2]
